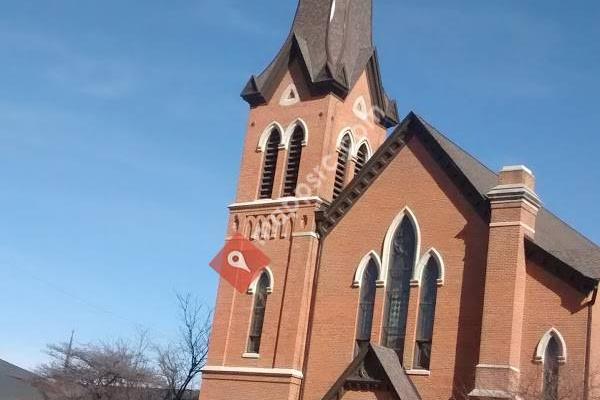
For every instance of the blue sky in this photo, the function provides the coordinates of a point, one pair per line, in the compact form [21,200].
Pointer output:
[121,130]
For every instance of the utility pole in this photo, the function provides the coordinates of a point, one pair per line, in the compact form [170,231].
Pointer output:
[69,350]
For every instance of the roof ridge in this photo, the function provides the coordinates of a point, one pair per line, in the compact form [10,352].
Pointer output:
[553,214]
[424,121]
[571,227]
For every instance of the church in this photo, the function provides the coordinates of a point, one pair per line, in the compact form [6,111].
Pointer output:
[401,267]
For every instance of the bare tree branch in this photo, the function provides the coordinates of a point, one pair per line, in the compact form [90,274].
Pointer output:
[181,362]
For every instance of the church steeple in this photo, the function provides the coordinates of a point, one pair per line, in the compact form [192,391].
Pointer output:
[333,39]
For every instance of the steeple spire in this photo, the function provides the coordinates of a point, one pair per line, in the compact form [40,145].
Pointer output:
[334,40]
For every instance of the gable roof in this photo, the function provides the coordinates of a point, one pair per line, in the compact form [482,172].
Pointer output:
[375,368]
[16,383]
[334,47]
[571,254]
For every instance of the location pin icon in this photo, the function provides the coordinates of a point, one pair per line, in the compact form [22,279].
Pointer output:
[236,260]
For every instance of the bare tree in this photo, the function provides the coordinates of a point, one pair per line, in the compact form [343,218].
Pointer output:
[180,363]
[570,385]
[110,371]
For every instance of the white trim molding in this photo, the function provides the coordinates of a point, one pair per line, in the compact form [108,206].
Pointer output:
[418,372]
[264,136]
[517,223]
[360,108]
[389,240]
[252,287]
[362,266]
[511,168]
[254,356]
[418,272]
[338,144]
[291,202]
[290,96]
[289,131]
[305,234]
[283,372]
[499,366]
[540,351]
[332,13]
[363,141]
[491,394]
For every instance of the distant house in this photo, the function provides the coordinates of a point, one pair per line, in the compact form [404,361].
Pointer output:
[15,383]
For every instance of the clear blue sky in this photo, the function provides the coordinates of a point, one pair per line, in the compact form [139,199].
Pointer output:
[121,130]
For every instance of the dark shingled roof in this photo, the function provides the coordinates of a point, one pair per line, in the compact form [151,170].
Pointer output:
[335,49]
[551,233]
[15,383]
[553,236]
[375,368]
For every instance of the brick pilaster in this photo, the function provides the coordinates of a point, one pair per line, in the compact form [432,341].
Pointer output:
[514,207]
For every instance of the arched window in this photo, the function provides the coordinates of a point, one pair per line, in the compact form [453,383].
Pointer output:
[270,164]
[258,313]
[293,162]
[342,165]
[367,303]
[401,267]
[429,285]
[361,158]
[551,369]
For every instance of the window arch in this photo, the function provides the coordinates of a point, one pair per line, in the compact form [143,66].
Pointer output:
[427,303]
[551,352]
[254,285]
[540,352]
[270,164]
[293,162]
[551,369]
[342,164]
[258,313]
[425,259]
[362,156]
[400,271]
[366,306]
[371,256]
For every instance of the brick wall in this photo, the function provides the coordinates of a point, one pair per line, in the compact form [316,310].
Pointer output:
[326,118]
[449,224]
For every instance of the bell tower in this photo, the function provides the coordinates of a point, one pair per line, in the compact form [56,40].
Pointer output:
[317,113]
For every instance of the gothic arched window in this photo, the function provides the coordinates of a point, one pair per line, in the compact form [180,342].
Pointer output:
[293,162]
[342,165]
[402,260]
[258,313]
[366,306]
[270,164]
[362,157]
[427,302]
[551,369]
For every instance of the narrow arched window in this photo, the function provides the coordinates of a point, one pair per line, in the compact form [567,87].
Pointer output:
[293,162]
[270,164]
[367,303]
[342,165]
[258,313]
[427,303]
[401,267]
[551,369]
[361,158]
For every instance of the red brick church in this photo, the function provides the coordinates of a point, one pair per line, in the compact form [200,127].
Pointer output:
[401,267]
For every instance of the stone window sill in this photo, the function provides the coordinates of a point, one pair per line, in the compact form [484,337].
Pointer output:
[418,372]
